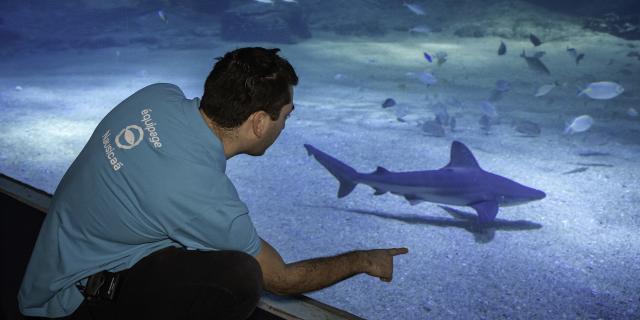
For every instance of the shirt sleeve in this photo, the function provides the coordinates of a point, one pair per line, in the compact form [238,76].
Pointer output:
[218,229]
[243,235]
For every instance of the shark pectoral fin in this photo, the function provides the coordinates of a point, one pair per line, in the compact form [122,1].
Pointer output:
[487,210]
[413,200]
[346,187]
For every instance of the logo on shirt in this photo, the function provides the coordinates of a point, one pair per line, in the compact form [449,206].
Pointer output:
[129,137]
[109,152]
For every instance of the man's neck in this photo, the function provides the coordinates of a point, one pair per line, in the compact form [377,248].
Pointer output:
[228,137]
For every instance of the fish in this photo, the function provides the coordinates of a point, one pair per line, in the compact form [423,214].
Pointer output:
[535,64]
[18,88]
[415,8]
[527,128]
[502,49]
[545,89]
[603,90]
[420,29]
[577,170]
[632,112]
[579,124]
[339,76]
[162,16]
[488,109]
[432,128]
[452,124]
[401,111]
[427,78]
[535,40]
[485,123]
[265,1]
[442,115]
[441,57]
[500,88]
[427,57]
[290,1]
[462,182]
[389,102]
[573,53]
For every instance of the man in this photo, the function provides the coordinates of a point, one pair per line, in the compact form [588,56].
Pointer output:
[145,223]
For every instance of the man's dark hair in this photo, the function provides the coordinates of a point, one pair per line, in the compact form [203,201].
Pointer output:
[244,81]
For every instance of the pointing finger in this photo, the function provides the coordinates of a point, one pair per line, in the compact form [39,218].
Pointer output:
[397,251]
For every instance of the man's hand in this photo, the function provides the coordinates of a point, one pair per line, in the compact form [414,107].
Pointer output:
[379,262]
[314,274]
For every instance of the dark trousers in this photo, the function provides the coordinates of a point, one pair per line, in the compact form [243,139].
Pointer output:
[175,283]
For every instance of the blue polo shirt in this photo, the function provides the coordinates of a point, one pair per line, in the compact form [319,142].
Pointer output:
[151,176]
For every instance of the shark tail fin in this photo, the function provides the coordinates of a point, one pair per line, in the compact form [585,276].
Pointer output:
[341,171]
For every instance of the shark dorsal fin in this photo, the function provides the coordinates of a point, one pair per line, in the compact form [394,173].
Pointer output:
[461,156]
[380,170]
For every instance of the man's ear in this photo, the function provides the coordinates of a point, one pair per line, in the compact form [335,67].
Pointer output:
[258,123]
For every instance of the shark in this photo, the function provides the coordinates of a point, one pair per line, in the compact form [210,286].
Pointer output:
[460,183]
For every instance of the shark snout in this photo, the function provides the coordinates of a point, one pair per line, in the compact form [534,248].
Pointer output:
[538,194]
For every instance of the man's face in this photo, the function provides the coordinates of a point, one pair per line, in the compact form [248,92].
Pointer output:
[273,129]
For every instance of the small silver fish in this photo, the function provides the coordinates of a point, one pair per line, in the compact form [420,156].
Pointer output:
[488,109]
[415,8]
[544,89]
[527,128]
[432,128]
[485,123]
[603,90]
[579,124]
[427,78]
[632,112]
[442,115]
[162,16]
[265,1]
[401,111]
[420,29]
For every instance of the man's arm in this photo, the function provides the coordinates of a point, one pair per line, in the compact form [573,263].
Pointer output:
[314,274]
